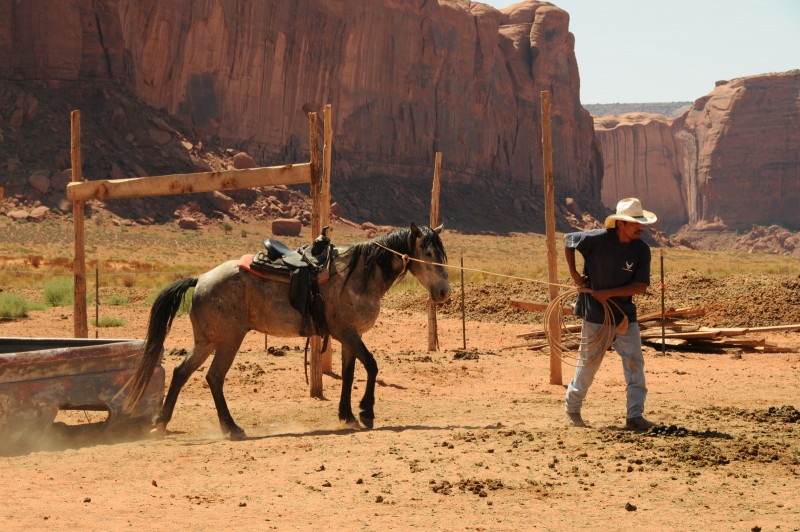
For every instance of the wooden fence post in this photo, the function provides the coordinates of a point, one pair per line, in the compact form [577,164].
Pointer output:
[550,227]
[433,333]
[325,205]
[316,226]
[80,323]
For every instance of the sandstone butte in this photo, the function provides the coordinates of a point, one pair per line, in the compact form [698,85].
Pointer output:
[406,79]
[732,160]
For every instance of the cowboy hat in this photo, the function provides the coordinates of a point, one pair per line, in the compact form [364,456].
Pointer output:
[630,210]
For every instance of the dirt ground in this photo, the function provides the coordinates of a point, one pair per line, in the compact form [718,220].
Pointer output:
[463,440]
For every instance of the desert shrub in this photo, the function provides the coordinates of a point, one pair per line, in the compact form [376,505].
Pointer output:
[118,300]
[109,321]
[59,292]
[14,306]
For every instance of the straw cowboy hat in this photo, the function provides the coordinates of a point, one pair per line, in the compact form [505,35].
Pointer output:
[630,210]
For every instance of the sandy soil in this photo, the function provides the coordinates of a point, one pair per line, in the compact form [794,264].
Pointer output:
[463,440]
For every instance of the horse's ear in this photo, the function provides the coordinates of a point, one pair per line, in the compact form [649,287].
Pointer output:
[438,230]
[415,231]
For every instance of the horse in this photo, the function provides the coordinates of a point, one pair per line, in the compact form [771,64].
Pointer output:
[228,303]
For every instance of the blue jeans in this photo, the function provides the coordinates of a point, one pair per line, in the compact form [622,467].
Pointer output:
[629,348]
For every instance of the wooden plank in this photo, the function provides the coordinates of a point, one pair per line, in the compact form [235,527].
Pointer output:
[672,313]
[672,342]
[775,328]
[684,335]
[540,333]
[775,349]
[102,189]
[739,342]
[534,306]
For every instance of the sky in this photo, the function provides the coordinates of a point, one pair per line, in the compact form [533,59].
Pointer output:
[633,51]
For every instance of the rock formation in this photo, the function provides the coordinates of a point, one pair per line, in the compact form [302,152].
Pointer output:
[641,160]
[731,161]
[405,79]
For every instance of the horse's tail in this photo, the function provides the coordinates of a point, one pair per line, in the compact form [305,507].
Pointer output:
[163,312]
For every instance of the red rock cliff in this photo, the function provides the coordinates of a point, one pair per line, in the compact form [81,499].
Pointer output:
[641,159]
[732,158]
[405,79]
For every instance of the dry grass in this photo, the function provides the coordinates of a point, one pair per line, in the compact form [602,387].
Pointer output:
[149,257]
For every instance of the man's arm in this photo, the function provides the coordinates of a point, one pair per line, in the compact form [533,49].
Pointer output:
[578,279]
[630,289]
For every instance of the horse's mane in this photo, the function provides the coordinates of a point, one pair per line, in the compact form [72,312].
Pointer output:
[377,257]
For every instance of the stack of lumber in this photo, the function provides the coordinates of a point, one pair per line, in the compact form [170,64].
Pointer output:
[678,332]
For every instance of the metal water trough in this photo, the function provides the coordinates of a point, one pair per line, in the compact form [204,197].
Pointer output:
[40,376]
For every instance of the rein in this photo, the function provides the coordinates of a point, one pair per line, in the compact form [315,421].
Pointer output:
[406,259]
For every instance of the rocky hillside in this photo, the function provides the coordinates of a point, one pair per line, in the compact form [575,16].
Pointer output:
[405,79]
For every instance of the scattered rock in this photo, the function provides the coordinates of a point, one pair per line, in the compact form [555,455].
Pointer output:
[161,124]
[18,215]
[159,136]
[39,213]
[243,161]
[40,181]
[188,223]
[221,202]
[286,227]
[201,165]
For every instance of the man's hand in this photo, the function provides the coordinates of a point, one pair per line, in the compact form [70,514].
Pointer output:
[581,281]
[601,295]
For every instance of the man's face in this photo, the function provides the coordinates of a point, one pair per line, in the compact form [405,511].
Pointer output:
[629,231]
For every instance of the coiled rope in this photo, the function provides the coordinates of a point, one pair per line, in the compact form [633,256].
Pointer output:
[597,343]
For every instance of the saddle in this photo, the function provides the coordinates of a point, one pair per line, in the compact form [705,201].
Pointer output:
[304,270]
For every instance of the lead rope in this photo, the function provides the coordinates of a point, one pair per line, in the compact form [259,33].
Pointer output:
[602,340]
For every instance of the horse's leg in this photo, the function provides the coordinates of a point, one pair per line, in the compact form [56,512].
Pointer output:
[180,375]
[367,413]
[215,377]
[348,370]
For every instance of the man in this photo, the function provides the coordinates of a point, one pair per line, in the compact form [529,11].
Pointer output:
[616,267]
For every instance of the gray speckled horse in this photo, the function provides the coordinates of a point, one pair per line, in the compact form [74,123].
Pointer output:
[228,302]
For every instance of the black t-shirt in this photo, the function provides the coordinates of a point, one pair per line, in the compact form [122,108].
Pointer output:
[609,264]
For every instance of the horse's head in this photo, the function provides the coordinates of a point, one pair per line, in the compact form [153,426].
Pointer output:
[426,247]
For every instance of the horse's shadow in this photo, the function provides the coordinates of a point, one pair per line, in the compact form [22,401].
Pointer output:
[345,430]
[379,382]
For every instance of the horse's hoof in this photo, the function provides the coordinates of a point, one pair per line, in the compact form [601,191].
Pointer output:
[351,423]
[159,431]
[237,435]
[368,422]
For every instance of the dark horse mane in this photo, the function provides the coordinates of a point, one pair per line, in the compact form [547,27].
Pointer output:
[377,257]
